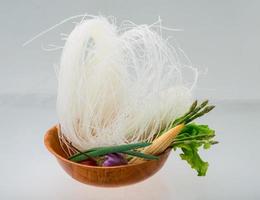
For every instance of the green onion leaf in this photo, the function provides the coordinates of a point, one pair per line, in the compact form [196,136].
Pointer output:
[141,155]
[101,151]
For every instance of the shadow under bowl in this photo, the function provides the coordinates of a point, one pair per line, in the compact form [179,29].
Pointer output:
[102,176]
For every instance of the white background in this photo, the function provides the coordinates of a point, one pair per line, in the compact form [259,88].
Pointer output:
[220,37]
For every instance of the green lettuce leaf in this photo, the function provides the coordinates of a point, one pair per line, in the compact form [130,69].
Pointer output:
[191,138]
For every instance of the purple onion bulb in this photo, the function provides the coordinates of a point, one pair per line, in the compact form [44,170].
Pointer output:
[114,159]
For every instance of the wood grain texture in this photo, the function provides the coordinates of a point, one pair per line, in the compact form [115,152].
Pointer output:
[102,176]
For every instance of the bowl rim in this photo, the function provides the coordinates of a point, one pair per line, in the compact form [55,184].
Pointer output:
[50,149]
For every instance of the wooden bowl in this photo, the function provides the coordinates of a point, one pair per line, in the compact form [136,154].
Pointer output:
[102,176]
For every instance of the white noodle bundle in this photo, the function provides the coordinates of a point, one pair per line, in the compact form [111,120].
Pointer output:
[118,85]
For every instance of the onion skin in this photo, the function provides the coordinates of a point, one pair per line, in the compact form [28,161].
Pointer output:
[114,159]
[89,162]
